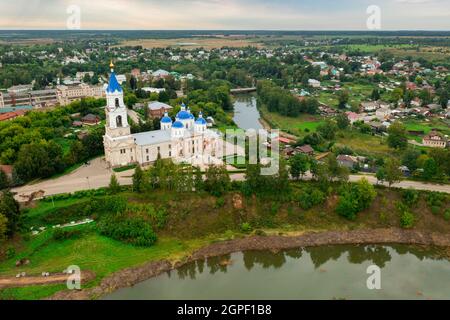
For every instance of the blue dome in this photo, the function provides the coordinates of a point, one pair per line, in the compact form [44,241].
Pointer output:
[184,115]
[200,121]
[177,125]
[166,119]
[113,85]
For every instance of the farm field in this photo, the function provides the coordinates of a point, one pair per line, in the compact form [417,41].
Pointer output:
[193,43]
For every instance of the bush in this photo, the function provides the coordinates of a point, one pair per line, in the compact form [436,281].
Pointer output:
[447,215]
[407,220]
[134,230]
[355,198]
[435,210]
[309,199]
[64,234]
[246,227]
[220,202]
[410,197]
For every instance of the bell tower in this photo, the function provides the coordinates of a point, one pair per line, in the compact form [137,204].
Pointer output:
[120,149]
[116,111]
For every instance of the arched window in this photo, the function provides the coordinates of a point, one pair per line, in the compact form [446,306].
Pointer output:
[119,121]
[117,103]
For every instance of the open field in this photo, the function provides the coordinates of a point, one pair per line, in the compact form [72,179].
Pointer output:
[192,43]
[292,125]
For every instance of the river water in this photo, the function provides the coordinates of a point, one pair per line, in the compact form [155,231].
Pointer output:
[328,272]
[246,114]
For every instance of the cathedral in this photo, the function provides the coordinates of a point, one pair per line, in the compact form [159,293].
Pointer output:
[184,140]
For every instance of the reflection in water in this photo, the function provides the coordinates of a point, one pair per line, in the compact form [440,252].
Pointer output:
[246,115]
[307,273]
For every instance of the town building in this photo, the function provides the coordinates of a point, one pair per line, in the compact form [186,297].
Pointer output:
[158,109]
[68,94]
[435,139]
[184,140]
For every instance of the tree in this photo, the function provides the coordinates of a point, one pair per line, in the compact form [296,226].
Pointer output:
[430,169]
[299,165]
[397,138]
[138,179]
[114,186]
[392,171]
[342,121]
[444,97]
[9,208]
[375,95]
[381,175]
[355,198]
[328,129]
[343,99]
[3,227]
[217,180]
[4,181]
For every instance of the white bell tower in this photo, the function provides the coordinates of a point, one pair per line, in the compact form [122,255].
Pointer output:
[120,149]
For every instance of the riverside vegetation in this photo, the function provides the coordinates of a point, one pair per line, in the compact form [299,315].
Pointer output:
[172,210]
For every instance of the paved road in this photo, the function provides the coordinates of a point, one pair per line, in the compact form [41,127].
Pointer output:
[97,175]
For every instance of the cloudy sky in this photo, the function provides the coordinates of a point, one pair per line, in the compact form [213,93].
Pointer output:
[226,14]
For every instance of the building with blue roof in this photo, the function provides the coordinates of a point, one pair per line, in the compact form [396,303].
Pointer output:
[181,140]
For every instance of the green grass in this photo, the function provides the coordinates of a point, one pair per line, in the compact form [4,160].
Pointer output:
[31,292]
[126,168]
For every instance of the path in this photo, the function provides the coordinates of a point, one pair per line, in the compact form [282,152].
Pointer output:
[97,175]
[134,116]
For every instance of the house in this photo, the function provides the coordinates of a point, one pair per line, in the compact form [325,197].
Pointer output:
[77,124]
[7,169]
[160,74]
[314,83]
[370,106]
[306,149]
[347,161]
[90,119]
[435,140]
[7,116]
[157,109]
[353,117]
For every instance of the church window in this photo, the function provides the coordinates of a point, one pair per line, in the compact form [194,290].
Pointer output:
[117,103]
[148,158]
[119,121]
[170,153]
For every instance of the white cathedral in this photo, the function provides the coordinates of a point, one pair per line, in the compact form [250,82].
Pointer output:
[184,140]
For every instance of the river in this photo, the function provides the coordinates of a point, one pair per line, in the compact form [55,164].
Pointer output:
[246,114]
[328,272]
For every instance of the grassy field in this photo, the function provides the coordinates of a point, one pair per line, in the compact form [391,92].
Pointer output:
[193,43]
[364,144]
[292,125]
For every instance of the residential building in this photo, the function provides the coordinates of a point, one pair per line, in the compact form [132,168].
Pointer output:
[158,109]
[435,139]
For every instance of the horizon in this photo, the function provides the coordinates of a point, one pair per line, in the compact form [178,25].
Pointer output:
[148,15]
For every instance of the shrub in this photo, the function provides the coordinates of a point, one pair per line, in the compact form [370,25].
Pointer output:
[64,234]
[134,230]
[355,198]
[220,202]
[447,215]
[309,199]
[410,197]
[246,227]
[436,199]
[435,210]
[407,220]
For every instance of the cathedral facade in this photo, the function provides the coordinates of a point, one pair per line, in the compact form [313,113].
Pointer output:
[186,139]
